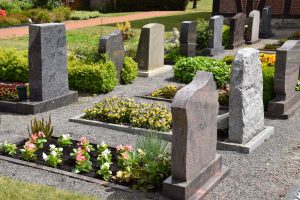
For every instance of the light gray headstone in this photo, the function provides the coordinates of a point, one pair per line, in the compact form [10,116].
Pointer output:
[246,109]
[237,30]
[265,26]
[188,38]
[48,70]
[113,45]
[150,53]
[215,43]
[252,33]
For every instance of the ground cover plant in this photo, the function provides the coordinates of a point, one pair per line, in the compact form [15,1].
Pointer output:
[125,111]
[144,167]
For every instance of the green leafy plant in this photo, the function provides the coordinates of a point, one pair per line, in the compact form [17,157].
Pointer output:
[172,53]
[129,71]
[185,69]
[268,83]
[29,151]
[270,46]
[41,126]
[298,85]
[8,148]
[104,160]
[226,36]
[121,110]
[204,33]
[167,91]
[228,60]
[55,157]
[64,140]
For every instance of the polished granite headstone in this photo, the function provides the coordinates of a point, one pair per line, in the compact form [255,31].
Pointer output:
[237,30]
[188,37]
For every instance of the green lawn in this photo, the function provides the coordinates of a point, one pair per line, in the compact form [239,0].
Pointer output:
[14,190]
[202,5]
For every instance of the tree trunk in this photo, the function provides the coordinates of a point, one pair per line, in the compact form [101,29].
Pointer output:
[195,4]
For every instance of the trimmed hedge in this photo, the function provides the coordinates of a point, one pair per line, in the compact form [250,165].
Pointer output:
[129,71]
[149,5]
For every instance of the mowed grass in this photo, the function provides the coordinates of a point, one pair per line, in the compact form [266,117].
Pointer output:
[15,190]
[202,5]
[90,36]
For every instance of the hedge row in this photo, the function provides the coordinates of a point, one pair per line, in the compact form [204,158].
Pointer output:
[148,5]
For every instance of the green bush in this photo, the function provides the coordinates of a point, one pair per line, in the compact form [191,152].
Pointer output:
[149,5]
[268,83]
[129,71]
[228,60]
[121,110]
[61,14]
[48,4]
[185,69]
[38,15]
[16,6]
[9,21]
[173,54]
[81,15]
[203,33]
[13,65]
[92,77]
[226,36]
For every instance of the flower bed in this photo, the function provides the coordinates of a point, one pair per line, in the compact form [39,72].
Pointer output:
[8,92]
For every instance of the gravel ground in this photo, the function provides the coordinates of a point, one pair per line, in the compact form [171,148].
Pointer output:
[265,174]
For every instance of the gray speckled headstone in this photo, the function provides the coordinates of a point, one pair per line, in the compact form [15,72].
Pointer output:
[194,138]
[237,30]
[48,70]
[188,38]
[215,43]
[287,68]
[265,26]
[113,45]
[246,109]
[252,33]
[150,53]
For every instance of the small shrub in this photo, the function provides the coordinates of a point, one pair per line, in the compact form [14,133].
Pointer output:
[129,71]
[8,148]
[39,15]
[185,69]
[87,54]
[270,46]
[9,21]
[298,85]
[23,18]
[268,83]
[228,60]
[126,29]
[82,15]
[226,36]
[203,33]
[173,54]
[92,77]
[61,14]
[224,96]
[167,92]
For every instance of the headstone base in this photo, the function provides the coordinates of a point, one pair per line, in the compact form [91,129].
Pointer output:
[33,107]
[197,187]
[236,45]
[250,146]
[161,70]
[283,109]
[188,50]
[252,42]
[213,51]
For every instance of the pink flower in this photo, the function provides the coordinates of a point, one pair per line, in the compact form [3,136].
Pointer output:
[80,158]
[34,138]
[128,148]
[41,134]
[119,147]
[79,151]
[124,156]
[29,145]
[87,149]
[83,141]
[2,13]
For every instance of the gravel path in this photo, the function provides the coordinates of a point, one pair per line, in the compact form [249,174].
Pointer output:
[265,174]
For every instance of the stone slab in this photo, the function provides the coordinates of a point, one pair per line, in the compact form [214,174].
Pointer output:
[293,193]
[223,120]
[34,107]
[250,146]
[197,187]
[154,72]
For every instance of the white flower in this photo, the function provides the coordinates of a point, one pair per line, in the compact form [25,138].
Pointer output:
[105,165]
[103,144]
[45,157]
[66,136]
[60,149]
[52,146]
[53,153]
[105,153]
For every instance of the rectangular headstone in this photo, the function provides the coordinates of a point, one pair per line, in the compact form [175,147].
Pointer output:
[113,45]
[265,26]
[252,33]
[287,100]
[237,30]
[48,70]
[194,138]
[150,52]
[246,109]
[188,38]
[215,43]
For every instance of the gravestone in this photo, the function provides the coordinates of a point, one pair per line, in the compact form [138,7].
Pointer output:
[48,68]
[215,43]
[113,45]
[195,165]
[188,38]
[252,33]
[265,26]
[287,100]
[246,109]
[237,30]
[150,52]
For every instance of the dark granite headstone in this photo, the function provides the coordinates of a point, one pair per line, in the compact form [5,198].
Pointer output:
[196,167]
[237,30]
[188,38]
[287,100]
[113,45]
[215,43]
[48,69]
[265,26]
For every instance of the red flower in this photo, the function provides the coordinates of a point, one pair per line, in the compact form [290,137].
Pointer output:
[2,13]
